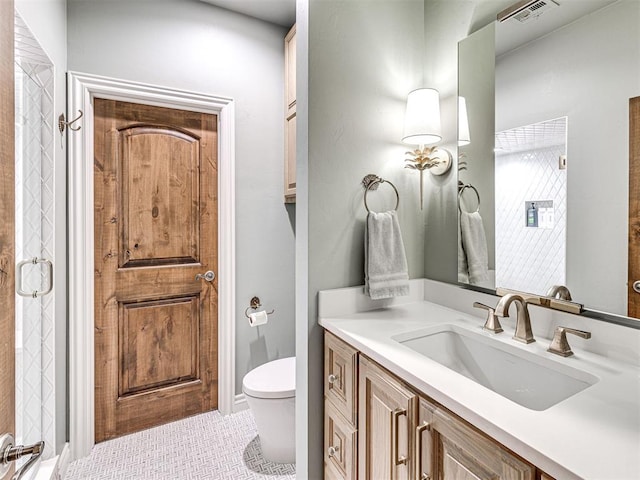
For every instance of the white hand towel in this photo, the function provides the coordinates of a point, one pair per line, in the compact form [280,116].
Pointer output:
[474,243]
[463,268]
[385,264]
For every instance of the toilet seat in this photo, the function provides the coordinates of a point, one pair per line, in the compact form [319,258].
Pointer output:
[275,379]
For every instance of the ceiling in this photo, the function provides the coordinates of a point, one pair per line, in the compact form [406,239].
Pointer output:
[280,12]
[513,33]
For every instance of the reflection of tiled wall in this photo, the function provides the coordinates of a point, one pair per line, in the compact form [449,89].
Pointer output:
[35,335]
[530,259]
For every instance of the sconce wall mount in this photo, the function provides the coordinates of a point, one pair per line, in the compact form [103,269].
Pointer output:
[437,160]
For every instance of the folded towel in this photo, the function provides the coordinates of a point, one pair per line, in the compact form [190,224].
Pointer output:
[474,243]
[385,264]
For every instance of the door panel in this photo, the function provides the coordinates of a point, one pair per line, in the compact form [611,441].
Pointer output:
[155,228]
[167,232]
[7,222]
[633,296]
[153,340]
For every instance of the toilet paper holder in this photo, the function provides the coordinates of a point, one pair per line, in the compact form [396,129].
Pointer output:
[255,304]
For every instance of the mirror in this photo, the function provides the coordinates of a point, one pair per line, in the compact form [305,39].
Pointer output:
[547,102]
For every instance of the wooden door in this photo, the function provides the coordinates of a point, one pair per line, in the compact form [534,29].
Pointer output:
[633,309]
[155,181]
[386,415]
[7,222]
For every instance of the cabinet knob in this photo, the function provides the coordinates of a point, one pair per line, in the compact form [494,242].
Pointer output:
[332,379]
[331,451]
[424,476]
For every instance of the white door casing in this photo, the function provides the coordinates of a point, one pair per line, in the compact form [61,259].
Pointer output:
[82,89]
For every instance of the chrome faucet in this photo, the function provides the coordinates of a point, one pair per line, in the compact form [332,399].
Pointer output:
[523,322]
[560,292]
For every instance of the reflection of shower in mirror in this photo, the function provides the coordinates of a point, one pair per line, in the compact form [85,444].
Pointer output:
[531,205]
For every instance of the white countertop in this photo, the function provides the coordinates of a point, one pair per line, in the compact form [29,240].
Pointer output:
[595,434]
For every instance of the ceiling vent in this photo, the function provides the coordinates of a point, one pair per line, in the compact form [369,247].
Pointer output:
[526,10]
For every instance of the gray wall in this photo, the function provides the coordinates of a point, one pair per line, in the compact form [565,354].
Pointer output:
[194,46]
[363,59]
[47,20]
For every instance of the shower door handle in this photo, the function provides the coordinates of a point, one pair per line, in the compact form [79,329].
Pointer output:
[10,453]
[36,293]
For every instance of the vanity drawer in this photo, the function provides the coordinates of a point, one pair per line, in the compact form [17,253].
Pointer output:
[341,376]
[340,445]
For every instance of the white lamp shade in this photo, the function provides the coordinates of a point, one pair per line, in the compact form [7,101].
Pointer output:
[422,117]
[464,137]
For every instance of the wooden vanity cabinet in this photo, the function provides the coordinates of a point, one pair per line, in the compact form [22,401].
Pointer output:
[377,427]
[290,116]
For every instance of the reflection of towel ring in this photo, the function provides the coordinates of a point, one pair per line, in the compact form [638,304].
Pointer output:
[462,189]
[371,182]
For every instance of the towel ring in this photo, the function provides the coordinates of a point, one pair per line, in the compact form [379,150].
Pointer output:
[371,182]
[462,189]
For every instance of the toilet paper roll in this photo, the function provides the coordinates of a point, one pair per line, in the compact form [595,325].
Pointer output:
[258,318]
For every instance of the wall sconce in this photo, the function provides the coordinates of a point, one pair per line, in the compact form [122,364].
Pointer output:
[422,127]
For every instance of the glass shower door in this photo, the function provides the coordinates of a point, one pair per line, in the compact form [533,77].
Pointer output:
[34,203]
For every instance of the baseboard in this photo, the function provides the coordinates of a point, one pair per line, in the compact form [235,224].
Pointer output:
[62,464]
[240,403]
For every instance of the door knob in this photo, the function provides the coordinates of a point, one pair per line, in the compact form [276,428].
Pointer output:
[208,276]
[636,286]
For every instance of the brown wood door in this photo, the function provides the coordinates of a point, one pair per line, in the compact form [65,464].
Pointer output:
[155,183]
[634,207]
[7,222]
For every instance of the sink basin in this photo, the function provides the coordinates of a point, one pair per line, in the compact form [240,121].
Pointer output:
[524,377]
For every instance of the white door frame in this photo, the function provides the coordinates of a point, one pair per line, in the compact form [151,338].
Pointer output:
[82,89]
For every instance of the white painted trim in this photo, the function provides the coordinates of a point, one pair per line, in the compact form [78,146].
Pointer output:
[63,463]
[82,89]
[240,403]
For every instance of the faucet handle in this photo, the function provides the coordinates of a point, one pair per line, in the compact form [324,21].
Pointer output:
[560,345]
[492,324]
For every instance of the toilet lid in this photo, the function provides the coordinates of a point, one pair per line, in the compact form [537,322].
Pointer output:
[276,379]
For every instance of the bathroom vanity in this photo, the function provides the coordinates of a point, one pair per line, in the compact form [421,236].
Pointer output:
[416,389]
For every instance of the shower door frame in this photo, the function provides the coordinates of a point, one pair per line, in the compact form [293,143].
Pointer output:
[82,89]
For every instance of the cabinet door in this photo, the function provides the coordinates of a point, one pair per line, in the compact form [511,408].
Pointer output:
[423,441]
[386,414]
[340,376]
[290,116]
[461,453]
[340,445]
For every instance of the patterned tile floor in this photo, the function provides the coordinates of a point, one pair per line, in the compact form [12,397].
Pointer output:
[207,446]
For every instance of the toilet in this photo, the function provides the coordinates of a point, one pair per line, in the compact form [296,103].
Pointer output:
[270,390]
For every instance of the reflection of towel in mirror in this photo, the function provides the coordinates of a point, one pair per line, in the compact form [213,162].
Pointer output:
[385,264]
[463,268]
[474,243]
